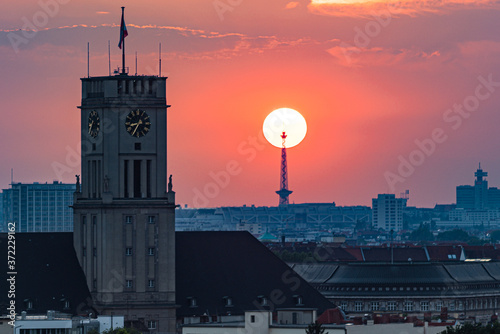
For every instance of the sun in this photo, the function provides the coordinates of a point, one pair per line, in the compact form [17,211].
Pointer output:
[285,120]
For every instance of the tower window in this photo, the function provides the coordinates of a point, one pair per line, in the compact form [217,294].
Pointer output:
[128,219]
[94,251]
[93,147]
[129,283]
[151,251]
[151,283]
[137,146]
[151,219]
[125,178]
[128,251]
[137,178]
[84,251]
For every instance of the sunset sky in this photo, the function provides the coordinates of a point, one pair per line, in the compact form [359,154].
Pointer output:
[396,94]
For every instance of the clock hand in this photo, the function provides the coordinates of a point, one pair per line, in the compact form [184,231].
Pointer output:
[137,126]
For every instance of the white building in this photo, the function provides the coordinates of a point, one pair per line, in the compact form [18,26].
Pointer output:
[387,212]
[289,321]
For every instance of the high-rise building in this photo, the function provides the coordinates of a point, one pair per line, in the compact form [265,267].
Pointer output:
[387,212]
[124,213]
[38,207]
[478,196]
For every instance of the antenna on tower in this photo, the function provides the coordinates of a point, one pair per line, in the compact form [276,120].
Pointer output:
[109,59]
[283,192]
[136,63]
[12,176]
[159,59]
[88,60]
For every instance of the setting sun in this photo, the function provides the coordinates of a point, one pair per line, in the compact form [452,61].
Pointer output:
[285,120]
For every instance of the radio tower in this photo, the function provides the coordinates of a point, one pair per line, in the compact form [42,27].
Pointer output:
[283,192]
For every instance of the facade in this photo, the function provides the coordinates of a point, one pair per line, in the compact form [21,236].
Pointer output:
[39,207]
[123,211]
[387,211]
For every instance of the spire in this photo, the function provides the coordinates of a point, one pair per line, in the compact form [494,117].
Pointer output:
[283,192]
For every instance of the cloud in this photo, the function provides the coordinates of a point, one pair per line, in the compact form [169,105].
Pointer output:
[182,42]
[364,8]
[102,13]
[292,4]
[351,56]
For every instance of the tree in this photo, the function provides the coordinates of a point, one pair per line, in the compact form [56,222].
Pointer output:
[454,235]
[421,234]
[315,328]
[473,329]
[121,330]
[495,235]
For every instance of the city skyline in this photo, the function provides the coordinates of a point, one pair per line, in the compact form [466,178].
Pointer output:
[403,99]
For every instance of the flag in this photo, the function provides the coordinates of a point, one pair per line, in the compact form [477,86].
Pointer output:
[123,32]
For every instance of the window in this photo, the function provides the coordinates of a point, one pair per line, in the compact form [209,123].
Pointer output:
[151,219]
[228,301]
[94,284]
[252,318]
[84,251]
[263,300]
[391,306]
[343,305]
[375,306]
[151,251]
[152,324]
[137,146]
[460,305]
[358,306]
[128,219]
[192,302]
[408,307]
[424,306]
[94,251]
[451,305]
[128,251]
[151,283]
[66,304]
[439,304]
[129,283]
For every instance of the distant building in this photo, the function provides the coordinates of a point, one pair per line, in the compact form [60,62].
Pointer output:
[258,219]
[478,196]
[39,207]
[387,212]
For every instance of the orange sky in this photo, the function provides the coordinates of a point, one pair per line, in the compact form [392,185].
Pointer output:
[371,79]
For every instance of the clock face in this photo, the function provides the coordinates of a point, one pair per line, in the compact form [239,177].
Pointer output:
[94,123]
[138,123]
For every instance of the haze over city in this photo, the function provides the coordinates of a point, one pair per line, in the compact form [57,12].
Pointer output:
[378,84]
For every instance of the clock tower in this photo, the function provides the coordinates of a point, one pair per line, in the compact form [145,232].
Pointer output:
[124,212]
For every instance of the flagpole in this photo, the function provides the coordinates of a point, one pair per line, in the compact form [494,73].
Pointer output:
[123,46]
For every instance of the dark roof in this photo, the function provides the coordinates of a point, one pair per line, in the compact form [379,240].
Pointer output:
[209,266]
[405,254]
[399,274]
[48,274]
[214,265]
